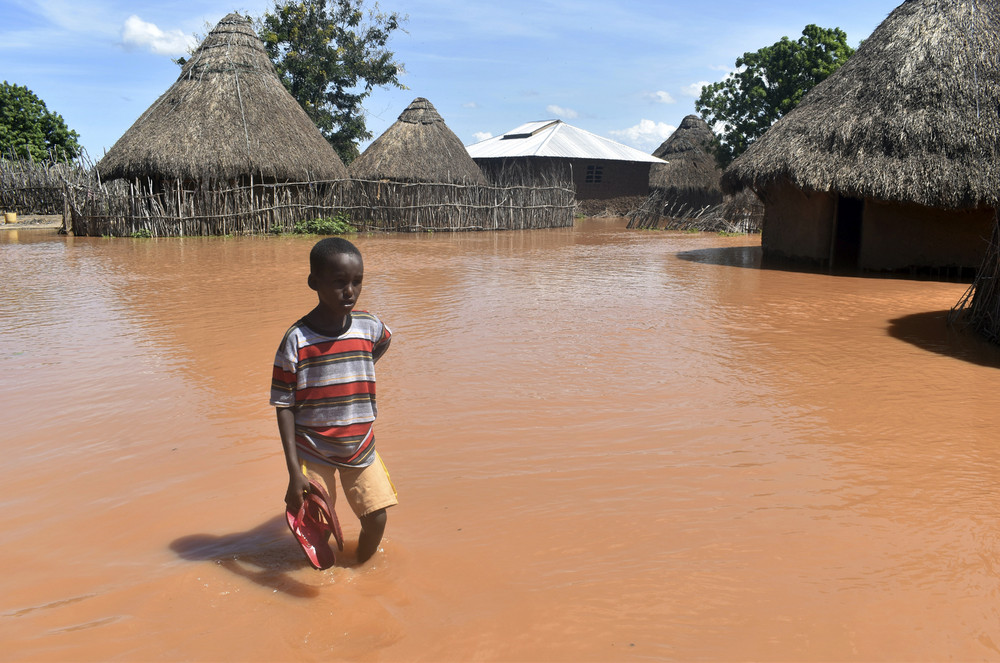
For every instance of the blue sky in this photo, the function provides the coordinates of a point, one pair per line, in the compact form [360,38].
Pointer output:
[627,69]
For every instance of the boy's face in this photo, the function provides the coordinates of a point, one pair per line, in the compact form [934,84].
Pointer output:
[338,283]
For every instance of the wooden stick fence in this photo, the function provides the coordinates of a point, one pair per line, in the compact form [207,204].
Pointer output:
[33,187]
[126,209]
[735,215]
[979,307]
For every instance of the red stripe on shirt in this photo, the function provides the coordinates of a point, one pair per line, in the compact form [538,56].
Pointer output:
[335,391]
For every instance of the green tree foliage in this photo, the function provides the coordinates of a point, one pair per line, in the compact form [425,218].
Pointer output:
[330,55]
[30,130]
[767,84]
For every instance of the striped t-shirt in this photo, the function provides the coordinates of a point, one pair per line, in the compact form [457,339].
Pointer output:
[329,382]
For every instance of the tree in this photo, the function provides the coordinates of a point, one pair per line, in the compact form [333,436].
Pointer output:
[30,130]
[330,57]
[767,84]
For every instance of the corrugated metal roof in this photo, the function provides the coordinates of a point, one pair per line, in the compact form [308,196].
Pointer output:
[555,138]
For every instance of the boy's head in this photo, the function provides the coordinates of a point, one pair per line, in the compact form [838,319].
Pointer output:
[336,272]
[326,250]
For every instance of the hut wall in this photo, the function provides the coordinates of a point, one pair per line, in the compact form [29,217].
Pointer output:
[797,224]
[900,236]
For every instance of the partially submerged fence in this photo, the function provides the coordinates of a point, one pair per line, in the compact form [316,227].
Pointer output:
[38,187]
[979,307]
[742,213]
[411,207]
[124,209]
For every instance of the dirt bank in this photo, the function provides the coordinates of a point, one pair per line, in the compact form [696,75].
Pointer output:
[34,221]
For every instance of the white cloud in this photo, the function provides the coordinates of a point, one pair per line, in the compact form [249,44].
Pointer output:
[137,33]
[694,90]
[480,136]
[660,97]
[559,111]
[645,134]
[74,17]
[470,104]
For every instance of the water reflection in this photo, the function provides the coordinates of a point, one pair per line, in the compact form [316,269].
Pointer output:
[752,257]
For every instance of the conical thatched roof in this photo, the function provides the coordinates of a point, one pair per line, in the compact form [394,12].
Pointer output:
[227,115]
[418,147]
[912,116]
[691,171]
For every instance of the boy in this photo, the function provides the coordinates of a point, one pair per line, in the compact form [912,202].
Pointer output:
[323,387]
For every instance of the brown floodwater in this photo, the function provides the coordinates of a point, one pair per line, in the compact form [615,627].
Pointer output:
[609,445]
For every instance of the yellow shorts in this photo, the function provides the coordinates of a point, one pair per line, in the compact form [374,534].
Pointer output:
[367,489]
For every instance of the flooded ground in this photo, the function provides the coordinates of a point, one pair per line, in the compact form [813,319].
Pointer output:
[609,445]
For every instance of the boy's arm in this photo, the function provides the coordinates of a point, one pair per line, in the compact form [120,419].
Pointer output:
[380,349]
[297,482]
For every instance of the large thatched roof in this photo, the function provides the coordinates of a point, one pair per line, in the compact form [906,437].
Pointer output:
[418,147]
[227,115]
[691,171]
[912,116]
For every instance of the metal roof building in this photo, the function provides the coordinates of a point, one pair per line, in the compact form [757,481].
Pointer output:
[555,138]
[551,150]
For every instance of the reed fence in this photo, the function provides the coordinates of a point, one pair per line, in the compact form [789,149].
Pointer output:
[405,207]
[979,307]
[736,214]
[125,209]
[38,187]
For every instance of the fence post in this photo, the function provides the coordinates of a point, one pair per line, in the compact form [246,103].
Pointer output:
[67,222]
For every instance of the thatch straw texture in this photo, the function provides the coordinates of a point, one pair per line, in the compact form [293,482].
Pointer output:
[691,174]
[418,147]
[227,116]
[912,116]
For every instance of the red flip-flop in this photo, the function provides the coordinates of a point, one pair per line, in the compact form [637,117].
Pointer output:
[321,502]
[312,526]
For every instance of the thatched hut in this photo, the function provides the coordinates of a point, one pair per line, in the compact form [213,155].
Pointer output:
[892,162]
[418,147]
[691,175]
[227,118]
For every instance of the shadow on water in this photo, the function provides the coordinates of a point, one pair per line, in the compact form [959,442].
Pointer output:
[752,257]
[266,555]
[729,256]
[931,331]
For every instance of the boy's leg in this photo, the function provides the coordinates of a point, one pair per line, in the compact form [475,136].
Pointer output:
[372,529]
[370,492]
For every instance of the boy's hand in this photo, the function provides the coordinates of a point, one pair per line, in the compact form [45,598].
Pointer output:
[297,486]
[297,481]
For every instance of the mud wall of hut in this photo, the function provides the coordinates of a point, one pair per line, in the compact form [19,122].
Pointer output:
[896,236]
[797,225]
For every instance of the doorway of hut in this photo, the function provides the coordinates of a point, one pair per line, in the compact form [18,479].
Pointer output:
[846,247]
